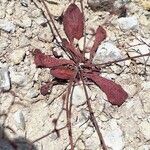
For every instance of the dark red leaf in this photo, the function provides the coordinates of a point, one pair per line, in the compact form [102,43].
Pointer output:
[72,50]
[73,22]
[42,60]
[115,93]
[99,37]
[44,89]
[63,72]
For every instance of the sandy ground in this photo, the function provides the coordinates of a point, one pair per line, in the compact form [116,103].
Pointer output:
[27,115]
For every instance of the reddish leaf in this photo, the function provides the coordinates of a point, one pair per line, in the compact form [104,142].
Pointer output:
[73,22]
[44,89]
[42,60]
[63,72]
[115,93]
[72,50]
[99,37]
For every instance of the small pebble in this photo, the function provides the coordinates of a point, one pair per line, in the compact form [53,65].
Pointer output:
[17,56]
[7,25]
[145,129]
[107,51]
[78,96]
[4,79]
[128,23]
[19,119]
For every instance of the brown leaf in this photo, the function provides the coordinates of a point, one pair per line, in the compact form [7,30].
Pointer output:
[42,60]
[115,93]
[63,72]
[73,22]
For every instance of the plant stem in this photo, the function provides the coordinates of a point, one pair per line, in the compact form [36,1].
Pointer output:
[92,117]
[120,60]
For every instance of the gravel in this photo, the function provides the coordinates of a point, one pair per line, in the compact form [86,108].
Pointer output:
[31,115]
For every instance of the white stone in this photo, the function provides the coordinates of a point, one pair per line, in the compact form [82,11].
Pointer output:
[78,96]
[17,78]
[19,119]
[24,41]
[17,56]
[127,23]
[144,147]
[32,93]
[145,129]
[4,79]
[113,136]
[146,85]
[40,20]
[107,51]
[7,25]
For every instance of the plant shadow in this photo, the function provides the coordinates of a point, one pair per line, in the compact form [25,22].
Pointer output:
[20,143]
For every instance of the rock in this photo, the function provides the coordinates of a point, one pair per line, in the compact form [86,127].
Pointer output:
[7,25]
[40,20]
[24,41]
[19,119]
[24,3]
[107,51]
[145,128]
[92,143]
[10,8]
[32,93]
[144,96]
[113,136]
[24,22]
[78,96]
[144,21]
[131,89]
[3,44]
[146,85]
[103,5]
[144,147]
[4,79]
[128,23]
[140,49]
[2,12]
[146,4]
[17,56]
[17,78]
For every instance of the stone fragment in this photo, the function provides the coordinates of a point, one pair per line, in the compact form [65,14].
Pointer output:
[7,25]
[17,78]
[145,128]
[3,43]
[40,20]
[128,23]
[17,56]
[24,41]
[32,93]
[19,119]
[106,52]
[78,96]
[103,5]
[81,43]
[113,136]
[4,79]
[24,3]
